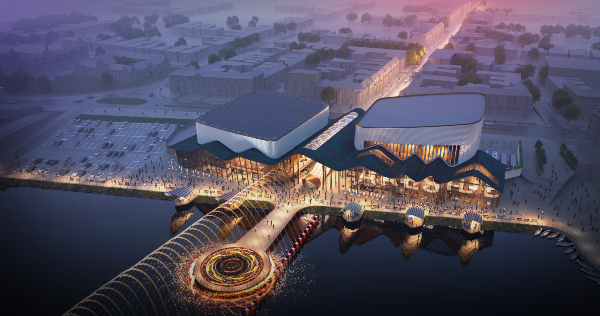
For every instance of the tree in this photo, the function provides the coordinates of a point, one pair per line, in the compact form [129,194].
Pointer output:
[545,44]
[568,154]
[180,42]
[533,53]
[449,46]
[366,18]
[124,60]
[237,43]
[252,23]
[106,78]
[403,35]
[103,36]
[100,51]
[499,54]
[345,30]
[398,22]
[571,31]
[255,19]
[596,46]
[351,16]
[18,80]
[571,112]
[432,20]
[507,11]
[466,39]
[280,27]
[123,27]
[232,20]
[560,98]
[51,36]
[175,19]
[295,45]
[388,20]
[526,71]
[292,26]
[470,65]
[44,83]
[328,94]
[563,148]
[213,58]
[470,47]
[470,77]
[230,53]
[194,64]
[542,159]
[533,89]
[526,39]
[409,20]
[331,53]
[573,160]
[343,51]
[538,144]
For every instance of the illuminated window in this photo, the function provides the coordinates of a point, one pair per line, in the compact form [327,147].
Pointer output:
[377,153]
[427,153]
[331,131]
[478,167]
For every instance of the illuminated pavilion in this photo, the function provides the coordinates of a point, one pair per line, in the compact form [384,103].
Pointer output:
[413,146]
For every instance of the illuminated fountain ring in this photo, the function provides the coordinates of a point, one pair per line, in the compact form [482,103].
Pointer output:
[231,269]
[231,266]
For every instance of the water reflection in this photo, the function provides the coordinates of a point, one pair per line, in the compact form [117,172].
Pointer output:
[442,240]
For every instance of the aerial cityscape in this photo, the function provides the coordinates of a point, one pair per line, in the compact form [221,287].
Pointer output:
[262,157]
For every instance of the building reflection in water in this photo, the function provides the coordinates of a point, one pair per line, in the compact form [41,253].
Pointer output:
[441,240]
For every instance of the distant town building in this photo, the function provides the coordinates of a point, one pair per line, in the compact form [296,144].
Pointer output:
[37,59]
[146,65]
[163,7]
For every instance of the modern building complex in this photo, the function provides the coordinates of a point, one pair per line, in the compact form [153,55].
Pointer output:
[404,146]
[36,60]
[145,65]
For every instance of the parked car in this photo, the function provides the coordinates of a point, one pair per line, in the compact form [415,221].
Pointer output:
[111,176]
[155,126]
[54,162]
[78,121]
[71,164]
[83,159]
[98,153]
[124,124]
[87,122]
[110,145]
[149,149]
[114,154]
[47,170]
[121,168]
[89,96]
[144,139]
[155,133]
[114,163]
[114,168]
[104,166]
[167,125]
[59,134]
[75,144]
[74,135]
[151,94]
[67,158]
[155,140]
[87,165]
[57,143]
[108,153]
[162,139]
[38,160]
[108,123]
[120,154]
[146,157]
[97,167]
[98,122]
[132,147]
[70,129]
[30,169]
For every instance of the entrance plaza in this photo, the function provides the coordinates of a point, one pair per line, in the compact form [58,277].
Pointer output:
[421,152]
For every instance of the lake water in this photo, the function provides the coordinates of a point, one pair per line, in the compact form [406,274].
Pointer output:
[59,247]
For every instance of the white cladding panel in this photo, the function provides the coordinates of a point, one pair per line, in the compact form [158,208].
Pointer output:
[272,149]
[467,136]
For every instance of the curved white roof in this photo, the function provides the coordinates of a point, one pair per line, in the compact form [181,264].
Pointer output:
[425,111]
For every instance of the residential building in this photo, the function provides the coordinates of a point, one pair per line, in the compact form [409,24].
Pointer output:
[146,65]
[37,59]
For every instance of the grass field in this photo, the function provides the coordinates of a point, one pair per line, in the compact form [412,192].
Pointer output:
[132,119]
[126,101]
[70,84]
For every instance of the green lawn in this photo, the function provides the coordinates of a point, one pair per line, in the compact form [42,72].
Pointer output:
[70,84]
[120,100]
[132,119]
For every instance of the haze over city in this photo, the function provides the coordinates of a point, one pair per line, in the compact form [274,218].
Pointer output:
[260,157]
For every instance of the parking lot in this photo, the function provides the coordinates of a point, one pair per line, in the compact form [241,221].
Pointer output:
[96,144]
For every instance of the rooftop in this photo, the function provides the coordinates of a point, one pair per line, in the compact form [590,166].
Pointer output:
[263,114]
[573,63]
[425,110]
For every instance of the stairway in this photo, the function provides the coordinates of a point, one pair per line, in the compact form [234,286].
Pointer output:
[542,187]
